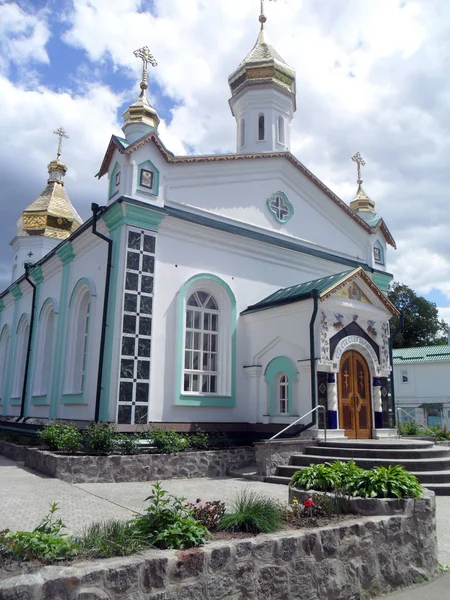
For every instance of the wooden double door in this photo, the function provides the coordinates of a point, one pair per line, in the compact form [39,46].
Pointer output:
[355,411]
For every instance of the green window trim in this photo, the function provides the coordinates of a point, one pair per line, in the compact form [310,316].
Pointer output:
[113,188]
[280,208]
[148,166]
[73,399]
[378,250]
[277,366]
[186,399]
[40,400]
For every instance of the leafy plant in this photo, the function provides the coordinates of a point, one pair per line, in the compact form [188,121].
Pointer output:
[168,442]
[168,522]
[110,538]
[385,482]
[100,438]
[409,428]
[46,542]
[441,433]
[252,513]
[209,513]
[61,437]
[320,477]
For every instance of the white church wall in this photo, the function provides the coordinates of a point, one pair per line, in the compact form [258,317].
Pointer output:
[251,270]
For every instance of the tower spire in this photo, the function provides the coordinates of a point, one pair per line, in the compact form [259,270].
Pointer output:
[60,132]
[262,15]
[361,203]
[147,58]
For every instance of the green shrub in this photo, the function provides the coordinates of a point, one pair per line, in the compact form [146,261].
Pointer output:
[199,440]
[409,428]
[208,513]
[385,482]
[168,442]
[440,433]
[321,477]
[126,443]
[110,538]
[100,438]
[46,542]
[61,437]
[168,522]
[252,513]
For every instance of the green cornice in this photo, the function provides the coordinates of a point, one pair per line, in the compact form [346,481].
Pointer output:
[382,280]
[143,217]
[16,291]
[66,253]
[113,217]
[37,275]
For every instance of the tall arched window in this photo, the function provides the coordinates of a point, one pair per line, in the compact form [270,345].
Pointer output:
[44,356]
[281,132]
[80,311]
[23,331]
[4,347]
[242,133]
[201,360]
[261,128]
[283,393]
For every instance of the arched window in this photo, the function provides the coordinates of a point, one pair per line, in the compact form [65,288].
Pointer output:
[4,347]
[281,133]
[80,311]
[201,360]
[283,393]
[242,133]
[23,331]
[261,128]
[44,356]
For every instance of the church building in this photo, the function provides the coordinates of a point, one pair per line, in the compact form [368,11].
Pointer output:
[233,291]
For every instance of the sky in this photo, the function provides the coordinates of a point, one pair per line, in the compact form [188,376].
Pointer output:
[372,76]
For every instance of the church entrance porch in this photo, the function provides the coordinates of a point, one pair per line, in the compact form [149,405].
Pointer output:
[355,412]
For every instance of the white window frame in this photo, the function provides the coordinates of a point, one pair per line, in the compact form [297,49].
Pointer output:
[225,335]
[282,383]
[23,331]
[43,368]
[242,132]
[5,338]
[77,346]
[263,117]
[281,130]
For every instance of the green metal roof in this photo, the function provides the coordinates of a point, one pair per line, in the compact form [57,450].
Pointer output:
[298,292]
[122,141]
[421,354]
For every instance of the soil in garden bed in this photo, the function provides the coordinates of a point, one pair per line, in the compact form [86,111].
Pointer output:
[11,567]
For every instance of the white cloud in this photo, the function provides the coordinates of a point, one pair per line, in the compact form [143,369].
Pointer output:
[23,36]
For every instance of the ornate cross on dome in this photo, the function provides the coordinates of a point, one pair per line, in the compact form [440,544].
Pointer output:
[262,16]
[61,134]
[147,57]
[358,159]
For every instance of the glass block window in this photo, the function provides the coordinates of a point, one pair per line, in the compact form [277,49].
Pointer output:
[136,343]
[283,394]
[201,370]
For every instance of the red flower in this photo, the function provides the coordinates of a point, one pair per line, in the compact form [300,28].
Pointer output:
[308,503]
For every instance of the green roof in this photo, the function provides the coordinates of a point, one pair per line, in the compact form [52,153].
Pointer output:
[421,354]
[122,141]
[298,292]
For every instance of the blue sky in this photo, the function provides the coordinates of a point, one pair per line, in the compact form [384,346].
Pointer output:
[371,76]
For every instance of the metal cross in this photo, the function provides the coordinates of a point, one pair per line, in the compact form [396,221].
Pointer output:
[30,254]
[262,16]
[358,159]
[61,134]
[280,208]
[147,57]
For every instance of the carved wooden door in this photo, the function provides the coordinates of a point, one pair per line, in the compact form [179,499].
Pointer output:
[355,414]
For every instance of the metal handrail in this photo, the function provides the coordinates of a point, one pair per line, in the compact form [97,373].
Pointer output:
[399,408]
[302,417]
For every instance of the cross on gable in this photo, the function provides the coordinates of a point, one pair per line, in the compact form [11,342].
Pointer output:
[280,208]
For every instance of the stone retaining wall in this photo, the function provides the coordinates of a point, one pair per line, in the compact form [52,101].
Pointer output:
[355,559]
[13,451]
[138,467]
[270,455]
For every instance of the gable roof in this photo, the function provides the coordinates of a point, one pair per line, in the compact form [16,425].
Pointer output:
[323,287]
[120,144]
[421,354]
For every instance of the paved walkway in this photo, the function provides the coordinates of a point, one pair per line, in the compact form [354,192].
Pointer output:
[25,497]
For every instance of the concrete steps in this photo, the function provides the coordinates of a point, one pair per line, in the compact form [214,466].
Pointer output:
[429,463]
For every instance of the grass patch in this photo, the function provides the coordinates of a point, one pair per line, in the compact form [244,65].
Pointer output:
[107,539]
[252,513]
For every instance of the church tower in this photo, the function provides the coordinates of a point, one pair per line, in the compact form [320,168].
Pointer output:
[263,98]
[47,221]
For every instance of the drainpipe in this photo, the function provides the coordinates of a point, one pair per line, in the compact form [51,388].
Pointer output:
[96,210]
[391,341]
[312,352]
[30,337]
